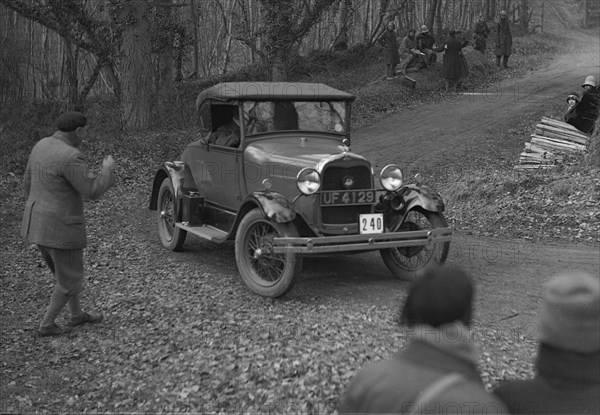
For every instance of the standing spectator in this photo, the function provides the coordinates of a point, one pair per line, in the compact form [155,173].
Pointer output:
[408,50]
[481,32]
[503,40]
[56,180]
[425,43]
[437,370]
[390,44]
[452,69]
[568,378]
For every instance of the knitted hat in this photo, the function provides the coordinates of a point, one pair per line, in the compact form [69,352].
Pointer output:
[441,295]
[424,29]
[70,121]
[570,313]
[573,95]
[589,80]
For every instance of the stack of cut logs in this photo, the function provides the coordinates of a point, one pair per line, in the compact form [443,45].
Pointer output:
[551,141]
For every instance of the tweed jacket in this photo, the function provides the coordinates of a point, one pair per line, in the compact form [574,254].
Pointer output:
[395,385]
[56,180]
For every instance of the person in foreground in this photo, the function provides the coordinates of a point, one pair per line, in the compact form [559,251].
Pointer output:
[568,360]
[56,180]
[437,370]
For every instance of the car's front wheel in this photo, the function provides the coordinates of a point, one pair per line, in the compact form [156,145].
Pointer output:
[406,262]
[171,236]
[264,272]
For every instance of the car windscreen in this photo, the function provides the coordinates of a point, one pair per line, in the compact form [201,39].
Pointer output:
[318,116]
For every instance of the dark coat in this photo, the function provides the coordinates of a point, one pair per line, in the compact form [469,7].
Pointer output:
[584,115]
[394,386]
[503,38]
[56,180]
[390,44]
[452,68]
[425,41]
[481,32]
[566,383]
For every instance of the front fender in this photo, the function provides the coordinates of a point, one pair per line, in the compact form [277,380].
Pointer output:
[174,170]
[275,206]
[422,196]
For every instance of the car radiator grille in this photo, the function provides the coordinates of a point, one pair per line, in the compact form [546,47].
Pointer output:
[333,177]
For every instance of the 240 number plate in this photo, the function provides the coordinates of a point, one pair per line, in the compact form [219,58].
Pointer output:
[371,223]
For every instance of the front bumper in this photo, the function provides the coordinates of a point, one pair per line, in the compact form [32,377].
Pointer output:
[364,242]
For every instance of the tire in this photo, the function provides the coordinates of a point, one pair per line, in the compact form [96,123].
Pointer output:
[269,275]
[406,263]
[171,236]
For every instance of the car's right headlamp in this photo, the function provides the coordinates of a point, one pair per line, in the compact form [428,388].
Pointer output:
[391,177]
[308,181]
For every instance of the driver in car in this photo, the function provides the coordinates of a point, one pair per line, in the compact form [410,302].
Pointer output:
[227,134]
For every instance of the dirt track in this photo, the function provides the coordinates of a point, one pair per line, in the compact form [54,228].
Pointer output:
[441,136]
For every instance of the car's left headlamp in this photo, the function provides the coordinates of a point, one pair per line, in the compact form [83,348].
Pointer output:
[391,177]
[308,181]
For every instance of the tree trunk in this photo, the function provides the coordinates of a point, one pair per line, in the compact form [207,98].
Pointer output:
[194,19]
[72,55]
[229,28]
[279,71]
[524,16]
[136,66]
[432,9]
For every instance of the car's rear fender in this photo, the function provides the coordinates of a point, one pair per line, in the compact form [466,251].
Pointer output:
[175,171]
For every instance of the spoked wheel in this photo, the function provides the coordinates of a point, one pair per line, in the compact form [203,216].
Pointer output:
[171,236]
[266,273]
[406,262]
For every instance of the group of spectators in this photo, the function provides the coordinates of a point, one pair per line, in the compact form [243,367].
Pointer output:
[436,372]
[420,49]
[582,112]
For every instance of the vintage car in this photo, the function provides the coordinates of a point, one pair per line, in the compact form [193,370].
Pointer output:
[288,185]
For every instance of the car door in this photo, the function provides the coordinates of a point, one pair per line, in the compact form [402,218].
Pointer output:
[216,173]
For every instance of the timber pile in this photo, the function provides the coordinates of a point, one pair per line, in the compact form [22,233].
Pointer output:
[551,141]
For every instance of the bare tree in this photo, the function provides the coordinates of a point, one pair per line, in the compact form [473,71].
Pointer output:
[136,63]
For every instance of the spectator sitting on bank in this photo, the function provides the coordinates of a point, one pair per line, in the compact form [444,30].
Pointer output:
[408,51]
[227,134]
[586,111]
[572,101]
[568,378]
[438,367]
[425,43]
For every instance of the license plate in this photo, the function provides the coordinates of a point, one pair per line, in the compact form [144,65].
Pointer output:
[371,223]
[348,197]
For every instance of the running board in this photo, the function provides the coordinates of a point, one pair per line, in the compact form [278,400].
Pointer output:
[204,232]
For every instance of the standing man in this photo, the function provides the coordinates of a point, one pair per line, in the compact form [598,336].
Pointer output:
[425,43]
[408,50]
[390,47]
[56,180]
[503,40]
[481,32]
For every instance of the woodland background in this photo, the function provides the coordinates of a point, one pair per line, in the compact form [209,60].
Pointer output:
[149,57]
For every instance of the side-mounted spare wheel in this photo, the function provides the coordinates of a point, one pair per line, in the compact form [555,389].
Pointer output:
[171,236]
[265,273]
